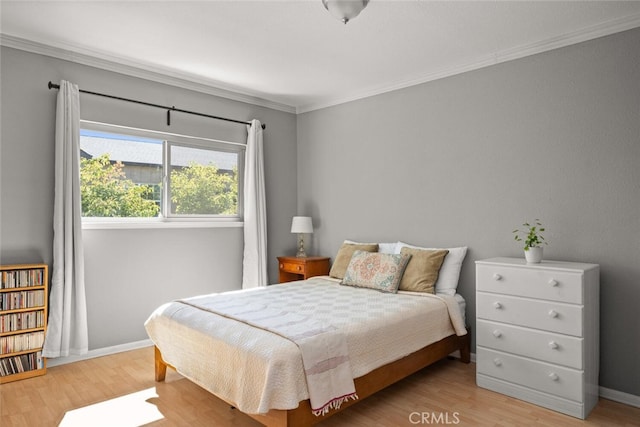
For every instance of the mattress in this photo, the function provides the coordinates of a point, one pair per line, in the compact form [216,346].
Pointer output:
[257,370]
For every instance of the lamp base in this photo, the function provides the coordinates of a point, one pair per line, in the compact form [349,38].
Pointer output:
[301,252]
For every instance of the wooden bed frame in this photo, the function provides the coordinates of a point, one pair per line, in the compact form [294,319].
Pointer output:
[366,385]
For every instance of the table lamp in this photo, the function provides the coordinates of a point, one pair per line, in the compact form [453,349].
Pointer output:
[301,225]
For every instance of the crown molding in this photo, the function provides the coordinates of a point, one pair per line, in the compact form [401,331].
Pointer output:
[137,69]
[579,36]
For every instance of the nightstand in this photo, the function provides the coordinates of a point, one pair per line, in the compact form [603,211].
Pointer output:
[293,268]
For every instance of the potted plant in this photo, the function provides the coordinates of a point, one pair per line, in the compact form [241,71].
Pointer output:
[533,240]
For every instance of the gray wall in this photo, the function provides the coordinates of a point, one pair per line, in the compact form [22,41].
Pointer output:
[466,159]
[129,272]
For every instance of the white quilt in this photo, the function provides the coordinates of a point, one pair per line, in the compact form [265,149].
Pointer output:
[323,347]
[257,370]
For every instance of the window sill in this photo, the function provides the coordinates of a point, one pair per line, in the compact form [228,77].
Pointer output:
[128,223]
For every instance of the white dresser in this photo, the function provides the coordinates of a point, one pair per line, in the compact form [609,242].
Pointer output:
[537,332]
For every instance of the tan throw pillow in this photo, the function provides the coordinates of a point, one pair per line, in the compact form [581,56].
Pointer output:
[341,261]
[421,273]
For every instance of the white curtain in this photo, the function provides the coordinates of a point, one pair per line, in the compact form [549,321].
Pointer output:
[254,272]
[67,329]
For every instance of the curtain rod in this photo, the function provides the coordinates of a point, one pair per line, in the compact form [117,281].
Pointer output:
[169,109]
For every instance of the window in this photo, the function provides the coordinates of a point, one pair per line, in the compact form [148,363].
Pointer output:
[133,173]
[202,181]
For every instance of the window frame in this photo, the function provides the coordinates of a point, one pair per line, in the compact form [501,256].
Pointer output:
[165,219]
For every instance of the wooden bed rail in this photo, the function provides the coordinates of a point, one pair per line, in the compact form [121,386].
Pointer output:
[366,385]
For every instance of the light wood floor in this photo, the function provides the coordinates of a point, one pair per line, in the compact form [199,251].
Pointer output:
[119,390]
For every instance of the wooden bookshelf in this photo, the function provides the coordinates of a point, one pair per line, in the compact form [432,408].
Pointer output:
[23,320]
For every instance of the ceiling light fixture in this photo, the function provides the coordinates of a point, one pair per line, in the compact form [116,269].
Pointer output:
[345,10]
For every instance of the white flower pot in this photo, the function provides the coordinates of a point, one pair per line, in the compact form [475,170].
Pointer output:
[533,255]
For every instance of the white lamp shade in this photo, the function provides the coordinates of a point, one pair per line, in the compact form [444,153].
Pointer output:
[302,224]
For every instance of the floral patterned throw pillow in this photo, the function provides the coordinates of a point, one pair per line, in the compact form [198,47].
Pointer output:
[375,270]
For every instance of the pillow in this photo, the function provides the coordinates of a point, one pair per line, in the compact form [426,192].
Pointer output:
[422,271]
[374,270]
[383,248]
[341,261]
[449,274]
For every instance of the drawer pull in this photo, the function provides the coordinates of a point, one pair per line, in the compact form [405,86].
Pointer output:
[553,282]
[553,314]
[299,268]
[496,276]
[553,345]
[553,376]
[497,333]
[497,305]
[497,361]
[281,265]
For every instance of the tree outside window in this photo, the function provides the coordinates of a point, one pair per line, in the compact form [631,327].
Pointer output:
[106,191]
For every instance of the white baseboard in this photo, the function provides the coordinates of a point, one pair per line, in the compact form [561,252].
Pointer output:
[99,352]
[606,393]
[619,396]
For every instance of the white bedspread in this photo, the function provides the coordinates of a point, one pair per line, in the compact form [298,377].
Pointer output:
[323,347]
[257,370]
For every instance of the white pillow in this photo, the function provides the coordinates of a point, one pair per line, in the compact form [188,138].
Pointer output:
[449,273]
[383,248]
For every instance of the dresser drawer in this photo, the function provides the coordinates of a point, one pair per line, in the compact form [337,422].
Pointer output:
[291,267]
[563,286]
[545,346]
[538,314]
[546,377]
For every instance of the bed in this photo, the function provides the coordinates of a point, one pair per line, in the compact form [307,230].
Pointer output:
[389,335]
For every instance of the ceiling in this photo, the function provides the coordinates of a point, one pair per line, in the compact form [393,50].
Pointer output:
[293,54]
